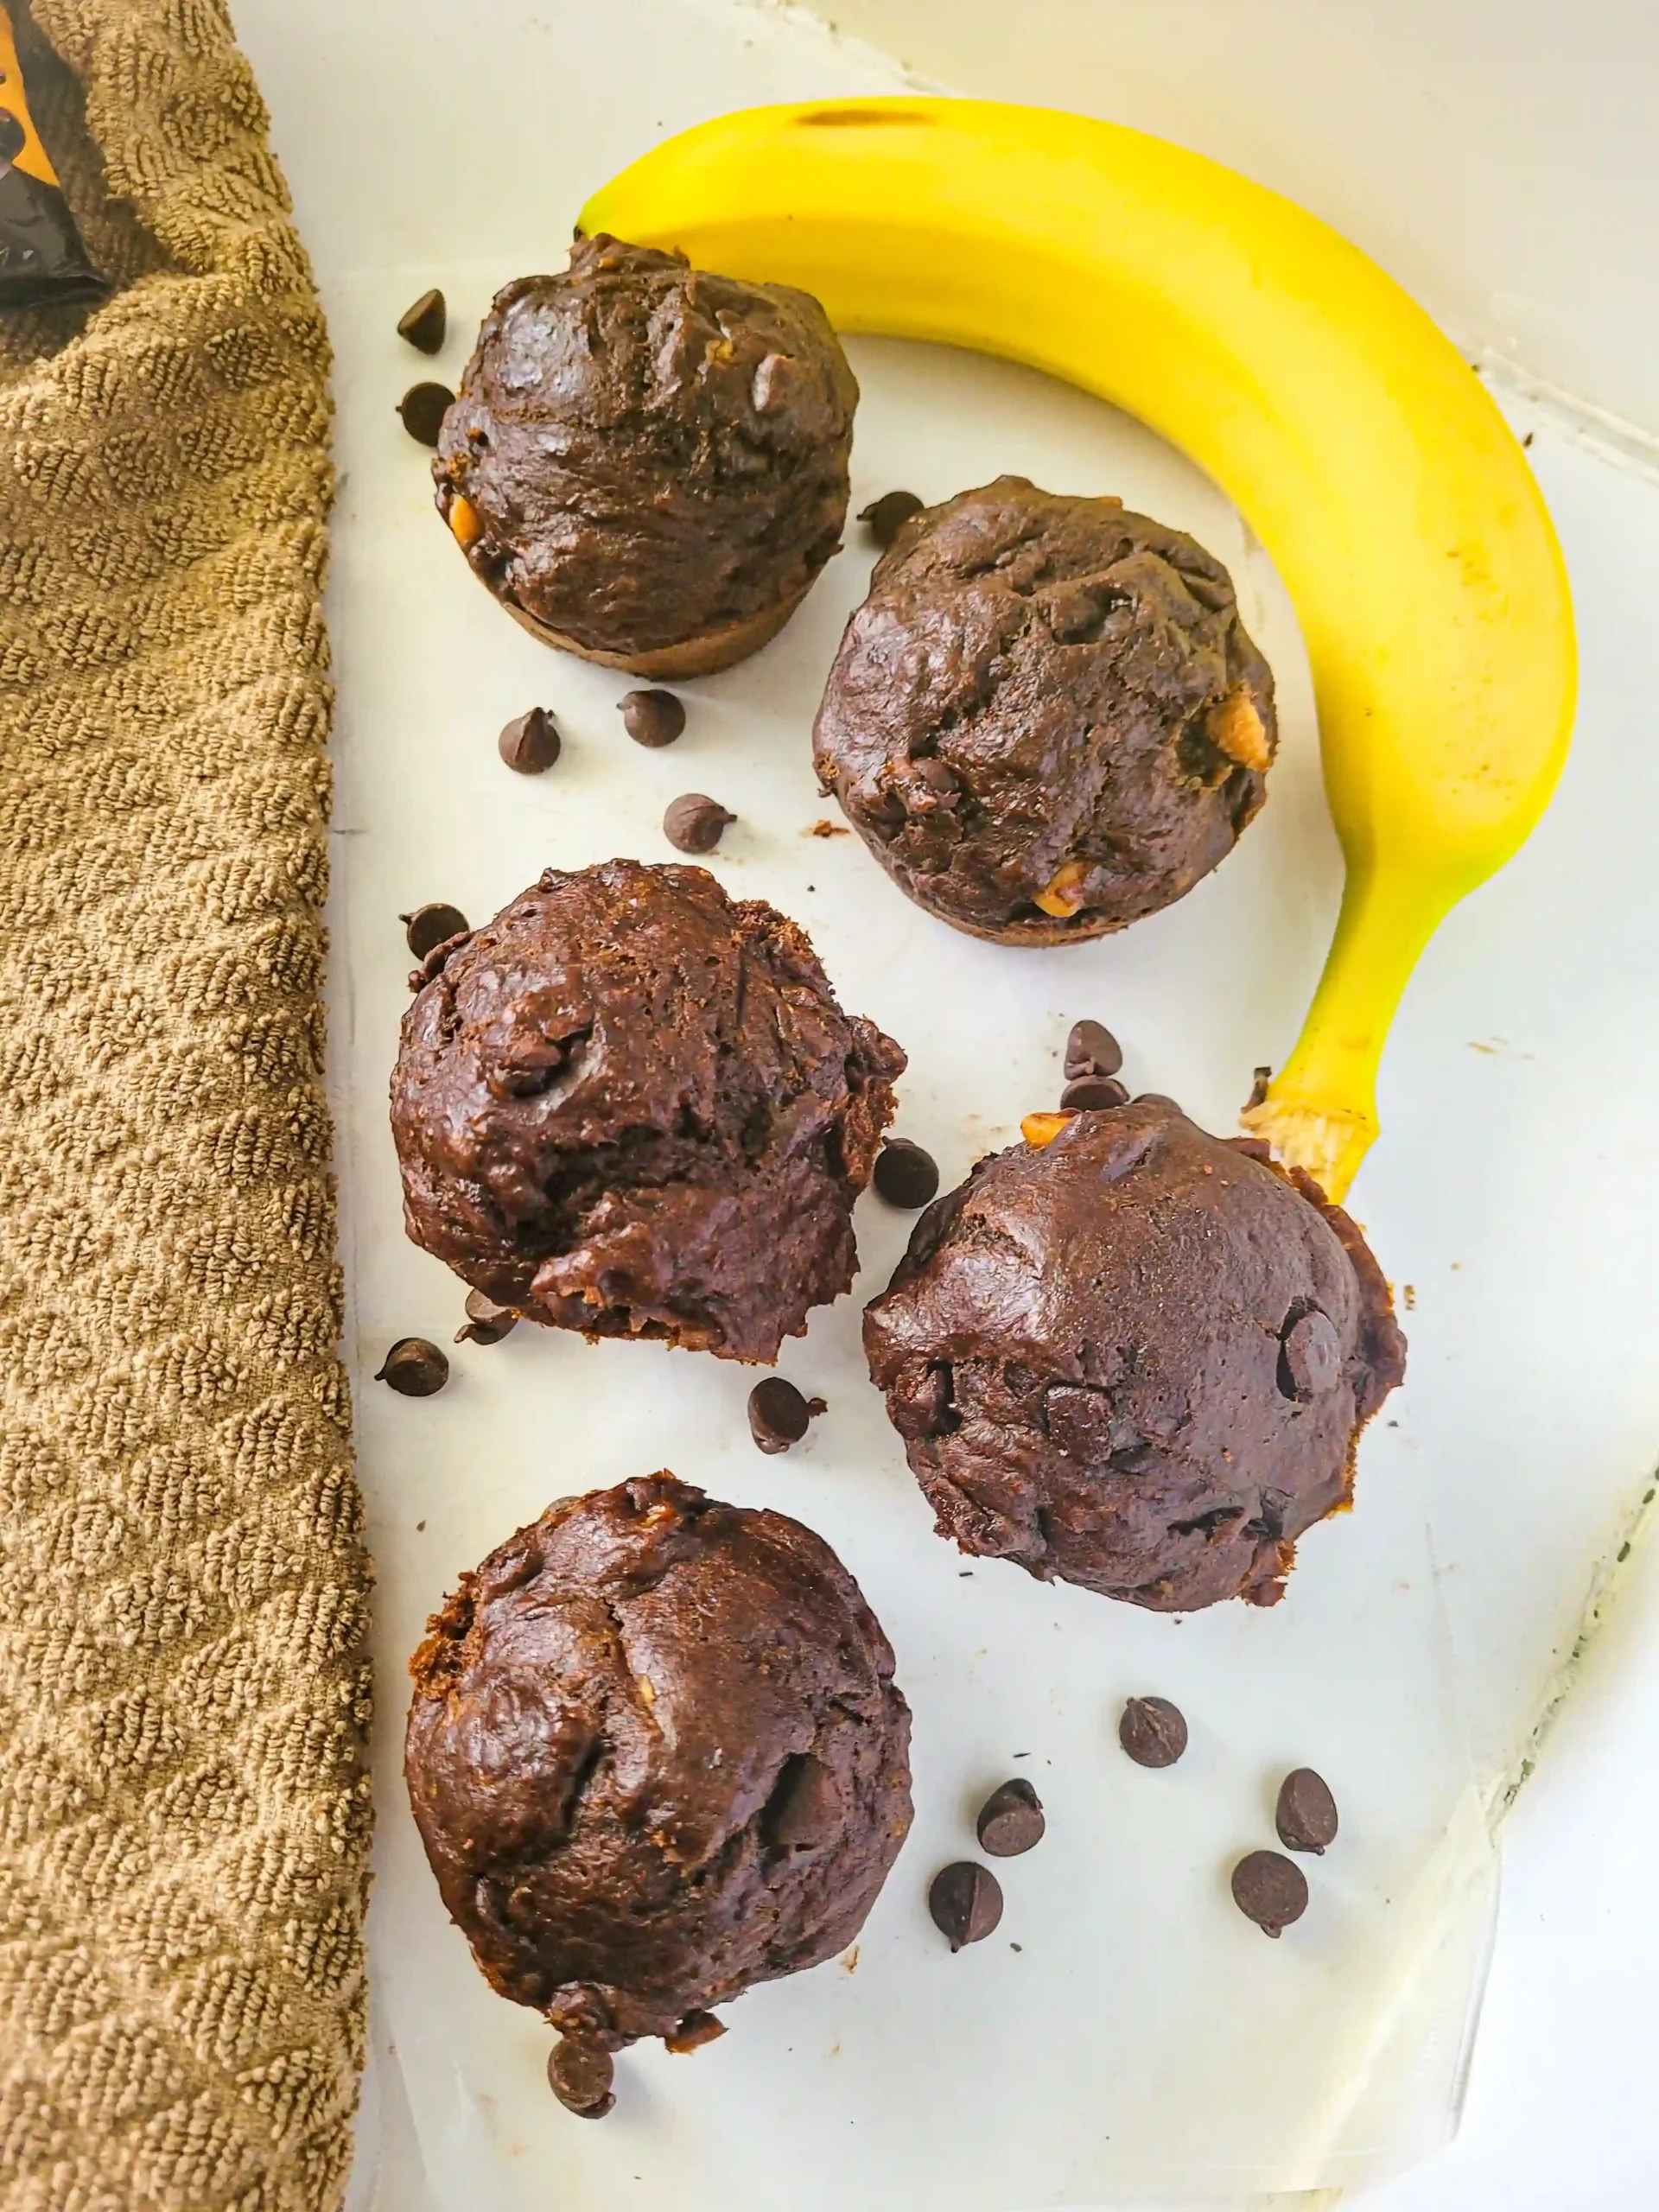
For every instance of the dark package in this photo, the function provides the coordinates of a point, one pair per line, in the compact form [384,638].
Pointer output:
[41,258]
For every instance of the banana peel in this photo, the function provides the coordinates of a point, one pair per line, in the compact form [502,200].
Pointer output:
[1358,444]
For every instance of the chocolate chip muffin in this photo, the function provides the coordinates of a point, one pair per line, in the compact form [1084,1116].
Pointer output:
[656,1754]
[647,463]
[1046,720]
[632,1106]
[1137,1358]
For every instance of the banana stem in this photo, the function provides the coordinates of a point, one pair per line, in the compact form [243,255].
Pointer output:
[1320,1111]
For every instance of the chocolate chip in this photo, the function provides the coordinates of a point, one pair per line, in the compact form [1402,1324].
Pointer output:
[1091,1049]
[778,1414]
[580,2075]
[884,518]
[696,2029]
[486,1322]
[1157,1098]
[652,718]
[1152,1731]
[805,1809]
[1259,1090]
[425,323]
[428,927]
[413,1368]
[966,1902]
[904,1175]
[1310,1358]
[1270,1890]
[1093,1094]
[1305,1816]
[1011,1819]
[694,823]
[530,742]
[423,407]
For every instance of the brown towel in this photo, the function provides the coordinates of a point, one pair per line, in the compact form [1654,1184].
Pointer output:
[184,1809]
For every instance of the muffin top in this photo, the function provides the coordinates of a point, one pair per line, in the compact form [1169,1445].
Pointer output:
[650,452]
[630,1105]
[1046,720]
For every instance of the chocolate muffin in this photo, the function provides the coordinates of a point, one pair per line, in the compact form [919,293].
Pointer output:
[1046,720]
[656,1755]
[646,463]
[1137,1358]
[630,1105]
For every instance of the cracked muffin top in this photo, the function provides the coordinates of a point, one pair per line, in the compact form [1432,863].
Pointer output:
[632,1106]
[1047,718]
[646,462]
[656,1754]
[1137,1358]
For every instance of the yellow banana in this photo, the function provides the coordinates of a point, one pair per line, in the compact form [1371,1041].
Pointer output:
[1362,449]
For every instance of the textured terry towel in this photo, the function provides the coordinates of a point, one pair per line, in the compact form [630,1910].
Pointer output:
[183,1811]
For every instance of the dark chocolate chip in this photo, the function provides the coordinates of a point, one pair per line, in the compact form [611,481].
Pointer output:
[805,1809]
[695,823]
[1310,1359]
[904,1175]
[423,407]
[1091,1049]
[1152,1731]
[1270,1890]
[413,1368]
[1157,1098]
[966,1902]
[580,2075]
[1305,1816]
[1011,1819]
[1093,1094]
[425,324]
[652,718]
[428,927]
[1259,1090]
[486,1322]
[778,1413]
[530,742]
[696,2029]
[884,518]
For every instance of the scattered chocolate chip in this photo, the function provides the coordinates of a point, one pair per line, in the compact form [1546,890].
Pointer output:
[1305,1816]
[778,1414]
[1093,1094]
[652,718]
[906,1175]
[580,2075]
[1310,1358]
[884,518]
[805,1809]
[966,1902]
[428,927]
[696,2029]
[425,325]
[695,822]
[423,407]
[530,742]
[486,1322]
[413,1368]
[1091,1049]
[1270,1890]
[1259,1090]
[1152,1731]
[1011,1819]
